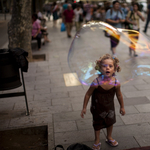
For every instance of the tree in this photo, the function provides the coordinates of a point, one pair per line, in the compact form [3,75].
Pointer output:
[19,27]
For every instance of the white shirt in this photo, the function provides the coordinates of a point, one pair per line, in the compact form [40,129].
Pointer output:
[77,12]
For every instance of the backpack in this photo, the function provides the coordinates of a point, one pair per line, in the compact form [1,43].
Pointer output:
[76,146]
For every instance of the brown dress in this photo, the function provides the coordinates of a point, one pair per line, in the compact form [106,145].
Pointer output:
[102,107]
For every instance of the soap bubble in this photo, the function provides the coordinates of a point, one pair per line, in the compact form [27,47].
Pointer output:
[92,44]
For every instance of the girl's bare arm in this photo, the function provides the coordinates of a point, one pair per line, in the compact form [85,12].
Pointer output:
[120,99]
[140,15]
[87,96]
[86,99]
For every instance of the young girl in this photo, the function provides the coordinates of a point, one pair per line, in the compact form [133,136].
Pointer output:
[103,90]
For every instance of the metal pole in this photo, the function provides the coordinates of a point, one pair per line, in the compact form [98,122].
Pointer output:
[27,113]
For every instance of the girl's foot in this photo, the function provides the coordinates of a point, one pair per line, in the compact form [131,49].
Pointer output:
[96,146]
[112,142]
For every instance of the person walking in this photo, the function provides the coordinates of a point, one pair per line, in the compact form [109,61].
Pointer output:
[78,18]
[48,9]
[115,17]
[148,18]
[68,16]
[87,9]
[133,18]
[55,15]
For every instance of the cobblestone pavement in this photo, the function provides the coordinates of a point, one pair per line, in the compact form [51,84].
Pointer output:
[52,103]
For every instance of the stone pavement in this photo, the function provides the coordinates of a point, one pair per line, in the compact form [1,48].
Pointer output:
[52,103]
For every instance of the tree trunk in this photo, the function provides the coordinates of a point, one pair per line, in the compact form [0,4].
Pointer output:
[19,27]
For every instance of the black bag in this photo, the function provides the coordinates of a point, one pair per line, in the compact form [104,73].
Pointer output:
[76,146]
[80,18]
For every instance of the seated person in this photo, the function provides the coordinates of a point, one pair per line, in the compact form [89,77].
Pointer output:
[44,31]
[36,31]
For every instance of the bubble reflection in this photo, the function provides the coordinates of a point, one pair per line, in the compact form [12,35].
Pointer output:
[92,44]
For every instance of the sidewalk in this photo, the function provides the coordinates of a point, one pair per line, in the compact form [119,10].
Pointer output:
[52,103]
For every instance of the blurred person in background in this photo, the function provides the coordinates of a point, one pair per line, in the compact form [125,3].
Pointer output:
[48,9]
[87,9]
[125,9]
[68,16]
[115,17]
[78,14]
[148,17]
[55,15]
[133,18]
[60,10]
[107,5]
[103,14]
[36,31]
[97,14]
[43,31]
[65,5]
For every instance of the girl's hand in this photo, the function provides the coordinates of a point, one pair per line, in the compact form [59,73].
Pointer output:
[83,112]
[122,111]
[138,13]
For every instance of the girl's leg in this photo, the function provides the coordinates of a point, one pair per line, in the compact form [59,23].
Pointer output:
[97,136]
[97,145]
[109,132]
[109,135]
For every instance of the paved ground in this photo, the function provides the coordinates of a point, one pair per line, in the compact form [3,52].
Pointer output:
[52,103]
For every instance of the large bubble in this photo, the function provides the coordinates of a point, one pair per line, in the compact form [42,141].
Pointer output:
[92,44]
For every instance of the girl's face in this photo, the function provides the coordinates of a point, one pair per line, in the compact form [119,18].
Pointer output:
[135,7]
[107,67]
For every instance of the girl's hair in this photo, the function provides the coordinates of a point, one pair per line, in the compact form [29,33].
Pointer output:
[107,56]
[136,5]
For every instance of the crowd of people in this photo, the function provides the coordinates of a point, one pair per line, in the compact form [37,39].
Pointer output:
[119,15]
